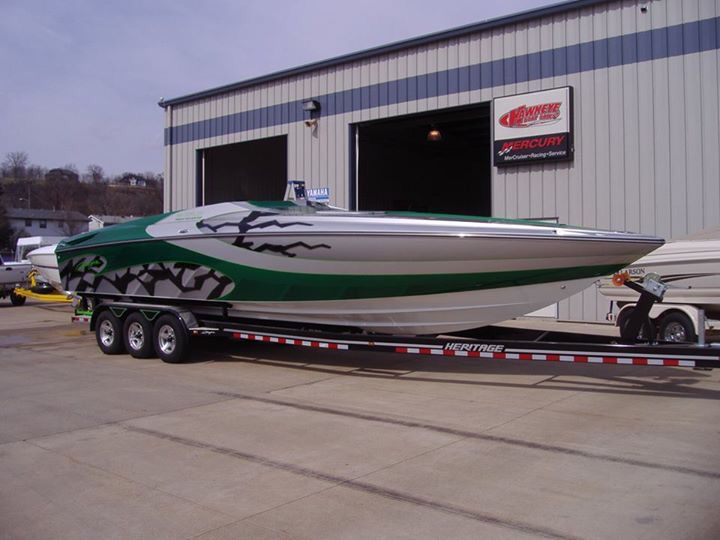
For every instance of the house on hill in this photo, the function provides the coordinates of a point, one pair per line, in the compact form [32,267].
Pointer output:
[96,221]
[39,222]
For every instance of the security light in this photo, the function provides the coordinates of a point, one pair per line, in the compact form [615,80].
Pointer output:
[311,105]
[434,135]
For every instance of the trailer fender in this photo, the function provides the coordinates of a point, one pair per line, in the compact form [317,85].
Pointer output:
[150,312]
[658,310]
[102,308]
[185,316]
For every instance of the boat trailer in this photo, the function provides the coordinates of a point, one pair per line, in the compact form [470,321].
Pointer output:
[30,290]
[145,330]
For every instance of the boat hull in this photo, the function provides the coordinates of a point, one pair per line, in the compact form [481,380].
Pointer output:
[383,273]
[43,259]
[421,314]
[374,302]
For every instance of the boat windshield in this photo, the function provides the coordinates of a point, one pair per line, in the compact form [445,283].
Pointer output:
[292,208]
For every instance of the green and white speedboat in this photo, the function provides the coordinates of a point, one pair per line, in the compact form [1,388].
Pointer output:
[390,272]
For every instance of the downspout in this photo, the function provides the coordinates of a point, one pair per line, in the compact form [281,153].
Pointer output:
[169,111]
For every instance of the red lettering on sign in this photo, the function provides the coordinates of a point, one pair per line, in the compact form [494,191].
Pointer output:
[534,115]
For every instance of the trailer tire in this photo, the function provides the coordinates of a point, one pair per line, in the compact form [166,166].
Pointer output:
[647,330]
[17,299]
[108,333]
[677,327]
[138,336]
[170,339]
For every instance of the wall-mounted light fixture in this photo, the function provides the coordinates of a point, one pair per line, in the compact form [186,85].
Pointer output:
[434,135]
[313,125]
[311,105]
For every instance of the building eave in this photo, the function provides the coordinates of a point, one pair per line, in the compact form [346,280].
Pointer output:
[460,31]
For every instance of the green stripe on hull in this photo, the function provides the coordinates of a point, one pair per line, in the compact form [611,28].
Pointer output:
[260,285]
[122,232]
[266,285]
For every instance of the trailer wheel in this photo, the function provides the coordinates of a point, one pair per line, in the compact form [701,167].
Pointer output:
[137,335]
[108,333]
[170,339]
[17,299]
[646,332]
[677,327]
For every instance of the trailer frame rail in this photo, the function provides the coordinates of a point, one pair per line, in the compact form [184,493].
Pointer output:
[671,355]
[183,322]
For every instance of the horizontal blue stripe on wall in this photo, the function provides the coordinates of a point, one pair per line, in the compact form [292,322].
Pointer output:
[655,44]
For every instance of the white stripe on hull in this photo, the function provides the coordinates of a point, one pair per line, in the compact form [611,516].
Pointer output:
[416,315]
[328,242]
[416,256]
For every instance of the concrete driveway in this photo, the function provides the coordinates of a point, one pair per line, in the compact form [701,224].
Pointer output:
[260,441]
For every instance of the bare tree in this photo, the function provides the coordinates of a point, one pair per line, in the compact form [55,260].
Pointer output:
[16,164]
[95,173]
[62,190]
[36,172]
[71,228]
[6,231]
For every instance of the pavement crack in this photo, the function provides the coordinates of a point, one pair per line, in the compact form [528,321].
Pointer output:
[483,436]
[130,480]
[354,479]
[308,383]
[528,413]
[278,533]
[31,440]
[361,486]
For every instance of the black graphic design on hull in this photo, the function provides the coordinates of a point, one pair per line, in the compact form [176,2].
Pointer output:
[181,279]
[246,225]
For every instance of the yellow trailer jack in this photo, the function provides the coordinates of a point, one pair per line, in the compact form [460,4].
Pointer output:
[28,292]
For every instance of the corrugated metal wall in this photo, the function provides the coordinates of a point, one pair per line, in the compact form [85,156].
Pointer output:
[647,125]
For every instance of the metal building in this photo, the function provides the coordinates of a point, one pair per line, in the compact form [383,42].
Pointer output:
[419,125]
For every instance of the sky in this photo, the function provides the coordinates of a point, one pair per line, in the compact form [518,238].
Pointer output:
[80,79]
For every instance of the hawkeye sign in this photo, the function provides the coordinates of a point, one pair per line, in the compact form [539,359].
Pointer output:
[533,115]
[533,127]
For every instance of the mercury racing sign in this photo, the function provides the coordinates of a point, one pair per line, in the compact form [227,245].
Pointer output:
[533,127]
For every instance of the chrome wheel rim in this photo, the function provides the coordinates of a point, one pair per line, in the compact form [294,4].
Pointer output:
[107,333]
[166,339]
[675,332]
[136,336]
